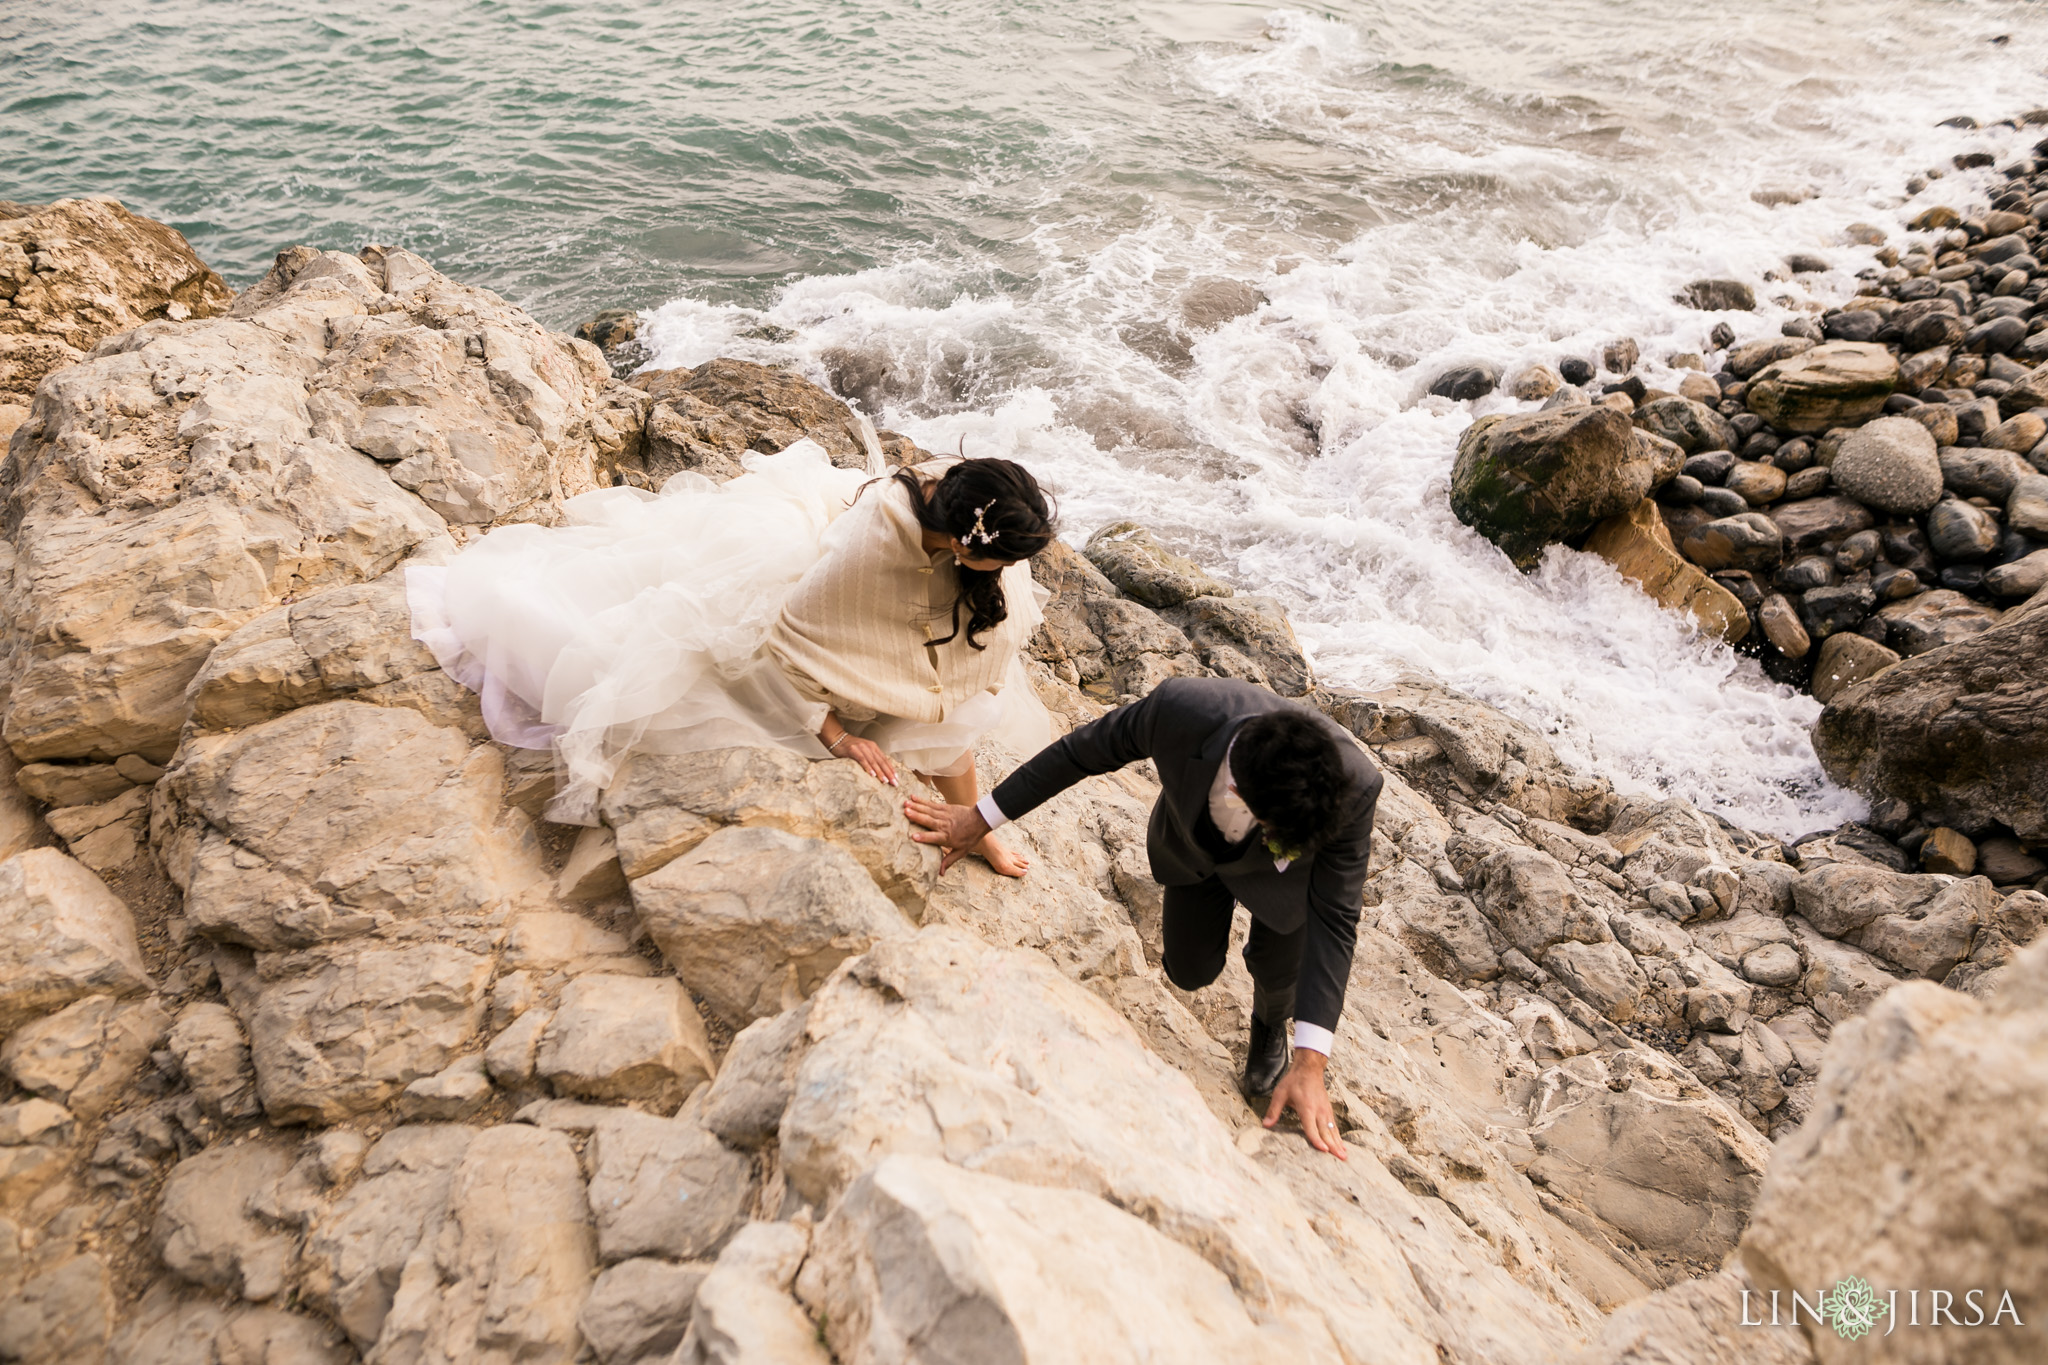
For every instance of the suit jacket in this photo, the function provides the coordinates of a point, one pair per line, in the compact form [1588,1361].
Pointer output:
[1185,727]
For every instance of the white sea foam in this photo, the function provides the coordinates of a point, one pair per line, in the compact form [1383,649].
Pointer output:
[1505,219]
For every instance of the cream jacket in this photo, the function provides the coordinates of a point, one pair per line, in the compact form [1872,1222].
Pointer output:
[857,630]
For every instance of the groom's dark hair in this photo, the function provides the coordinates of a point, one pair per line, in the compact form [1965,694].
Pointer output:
[1288,771]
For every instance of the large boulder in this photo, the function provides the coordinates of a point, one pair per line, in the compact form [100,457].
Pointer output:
[1956,732]
[1531,480]
[1692,427]
[976,1267]
[1890,464]
[323,432]
[1923,1169]
[1836,384]
[708,419]
[78,271]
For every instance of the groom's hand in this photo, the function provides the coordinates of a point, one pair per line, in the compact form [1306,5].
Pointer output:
[957,829]
[1301,1089]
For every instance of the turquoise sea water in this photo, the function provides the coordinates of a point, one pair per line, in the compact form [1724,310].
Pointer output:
[1003,223]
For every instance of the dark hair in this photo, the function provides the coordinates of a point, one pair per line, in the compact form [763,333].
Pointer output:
[1287,769]
[996,509]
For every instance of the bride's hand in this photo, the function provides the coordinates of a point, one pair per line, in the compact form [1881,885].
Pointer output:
[869,755]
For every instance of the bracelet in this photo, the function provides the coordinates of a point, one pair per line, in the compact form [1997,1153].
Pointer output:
[833,747]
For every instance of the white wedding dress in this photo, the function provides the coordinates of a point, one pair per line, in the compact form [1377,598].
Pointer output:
[637,624]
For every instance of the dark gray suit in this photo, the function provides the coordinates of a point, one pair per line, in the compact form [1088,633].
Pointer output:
[1308,914]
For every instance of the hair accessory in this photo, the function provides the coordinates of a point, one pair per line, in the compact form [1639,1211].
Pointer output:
[980,534]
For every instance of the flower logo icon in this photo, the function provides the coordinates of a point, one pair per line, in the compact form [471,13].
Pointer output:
[1853,1307]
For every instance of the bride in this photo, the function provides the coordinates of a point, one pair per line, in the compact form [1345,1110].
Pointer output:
[833,612]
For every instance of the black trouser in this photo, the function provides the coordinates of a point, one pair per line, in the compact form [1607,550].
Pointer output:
[1196,929]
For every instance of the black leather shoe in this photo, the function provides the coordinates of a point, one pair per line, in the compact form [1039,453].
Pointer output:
[1265,1057]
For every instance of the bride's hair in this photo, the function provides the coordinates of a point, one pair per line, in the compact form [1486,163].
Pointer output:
[996,509]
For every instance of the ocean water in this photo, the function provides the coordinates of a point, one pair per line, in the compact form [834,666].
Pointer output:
[1194,263]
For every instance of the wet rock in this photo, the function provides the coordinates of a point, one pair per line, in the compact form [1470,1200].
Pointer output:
[638,1310]
[1527,481]
[1758,484]
[625,1038]
[1132,558]
[1958,530]
[1745,360]
[1639,545]
[1467,381]
[1838,383]
[2026,510]
[1841,607]
[664,1187]
[1847,659]
[1890,464]
[207,1227]
[1536,383]
[1692,427]
[1782,627]
[1934,619]
[1710,296]
[754,919]
[976,1267]
[63,936]
[1750,540]
[2008,863]
[80,270]
[1576,370]
[1814,522]
[1946,850]
[1981,472]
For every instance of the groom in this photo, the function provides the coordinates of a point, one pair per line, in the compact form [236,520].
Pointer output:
[1262,802]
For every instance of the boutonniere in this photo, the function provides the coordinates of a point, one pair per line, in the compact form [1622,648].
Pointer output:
[1282,851]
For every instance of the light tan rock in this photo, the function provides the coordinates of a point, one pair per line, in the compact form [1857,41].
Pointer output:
[87,1055]
[358,1248]
[1698,1322]
[1923,1151]
[1842,980]
[206,1227]
[339,820]
[592,872]
[744,1105]
[512,1261]
[1669,1165]
[455,1092]
[538,942]
[1950,851]
[1838,383]
[105,837]
[753,919]
[1639,545]
[214,1060]
[77,271]
[340,1030]
[661,806]
[638,1310]
[1527,896]
[60,1315]
[509,1059]
[35,1121]
[63,935]
[975,1267]
[897,1023]
[664,1186]
[70,784]
[21,828]
[625,1038]
[744,1313]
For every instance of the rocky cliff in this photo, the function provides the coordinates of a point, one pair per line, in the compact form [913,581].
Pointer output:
[320,1047]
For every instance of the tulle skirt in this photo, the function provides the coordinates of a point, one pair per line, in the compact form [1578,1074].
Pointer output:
[637,625]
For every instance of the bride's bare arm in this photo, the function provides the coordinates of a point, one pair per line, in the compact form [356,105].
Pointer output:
[843,743]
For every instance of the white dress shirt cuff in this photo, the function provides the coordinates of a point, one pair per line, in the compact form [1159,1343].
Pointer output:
[991,812]
[1313,1037]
